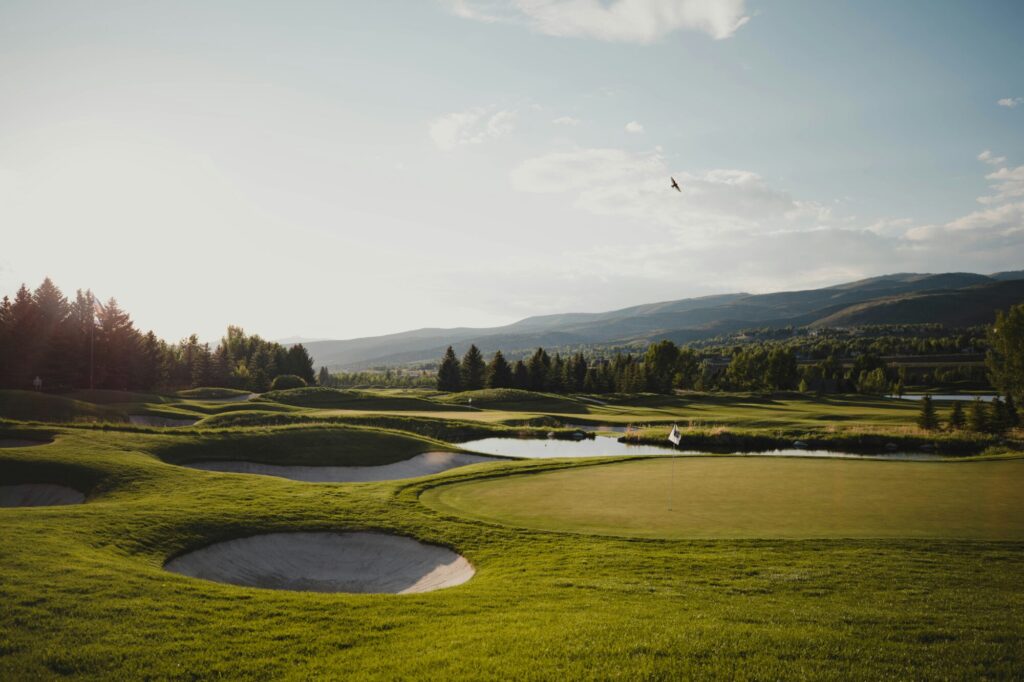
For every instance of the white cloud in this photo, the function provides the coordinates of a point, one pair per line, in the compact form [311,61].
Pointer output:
[684,237]
[616,182]
[636,21]
[472,126]
[566,121]
[1008,183]
[988,157]
[634,127]
[1011,102]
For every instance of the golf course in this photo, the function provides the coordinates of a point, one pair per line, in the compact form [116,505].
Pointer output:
[127,554]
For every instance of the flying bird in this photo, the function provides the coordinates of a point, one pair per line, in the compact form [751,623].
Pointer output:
[675,184]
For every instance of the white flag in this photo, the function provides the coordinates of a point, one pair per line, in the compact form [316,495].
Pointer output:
[675,436]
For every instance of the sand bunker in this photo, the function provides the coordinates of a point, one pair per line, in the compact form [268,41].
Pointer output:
[327,562]
[145,420]
[38,495]
[420,465]
[21,442]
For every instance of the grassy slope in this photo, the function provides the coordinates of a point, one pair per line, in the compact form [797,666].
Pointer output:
[541,605]
[29,405]
[339,446]
[748,497]
[351,399]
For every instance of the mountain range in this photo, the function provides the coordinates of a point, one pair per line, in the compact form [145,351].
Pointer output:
[955,299]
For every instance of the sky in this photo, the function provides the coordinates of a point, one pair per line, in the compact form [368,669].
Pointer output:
[345,169]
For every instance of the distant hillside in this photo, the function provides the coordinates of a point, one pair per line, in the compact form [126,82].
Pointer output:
[955,308]
[952,299]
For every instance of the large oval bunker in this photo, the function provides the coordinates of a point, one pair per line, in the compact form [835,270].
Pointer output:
[360,562]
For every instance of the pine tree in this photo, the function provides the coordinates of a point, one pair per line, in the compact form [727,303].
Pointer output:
[538,366]
[298,362]
[448,378]
[927,419]
[956,417]
[472,370]
[977,417]
[555,382]
[997,421]
[499,374]
[324,378]
[1012,416]
[1005,357]
[520,375]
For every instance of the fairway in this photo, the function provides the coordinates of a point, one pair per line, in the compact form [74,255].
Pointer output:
[755,497]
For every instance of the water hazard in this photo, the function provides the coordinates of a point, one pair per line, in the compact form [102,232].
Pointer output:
[610,447]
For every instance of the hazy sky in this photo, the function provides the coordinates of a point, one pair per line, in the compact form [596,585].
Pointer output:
[340,169]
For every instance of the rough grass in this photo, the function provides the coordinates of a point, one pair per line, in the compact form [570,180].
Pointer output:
[756,497]
[83,592]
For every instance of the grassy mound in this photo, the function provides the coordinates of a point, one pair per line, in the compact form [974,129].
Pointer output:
[514,399]
[352,399]
[102,396]
[34,406]
[323,446]
[211,393]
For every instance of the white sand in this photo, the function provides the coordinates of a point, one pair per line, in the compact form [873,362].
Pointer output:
[146,420]
[420,465]
[38,495]
[21,443]
[327,562]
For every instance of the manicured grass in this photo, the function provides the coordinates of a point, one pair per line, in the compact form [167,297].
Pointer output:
[82,590]
[756,497]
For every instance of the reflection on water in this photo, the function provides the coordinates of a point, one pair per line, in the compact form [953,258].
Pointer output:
[945,396]
[609,447]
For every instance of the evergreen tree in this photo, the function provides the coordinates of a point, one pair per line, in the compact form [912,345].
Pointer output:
[956,417]
[537,367]
[977,417]
[997,420]
[472,370]
[1012,416]
[576,373]
[927,419]
[499,373]
[1005,357]
[202,366]
[520,375]
[299,363]
[448,378]
[555,382]
[324,378]
[660,366]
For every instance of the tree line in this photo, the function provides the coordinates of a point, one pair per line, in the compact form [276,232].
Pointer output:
[766,366]
[999,416]
[81,343]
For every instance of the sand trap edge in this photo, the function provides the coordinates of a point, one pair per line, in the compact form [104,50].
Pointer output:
[39,495]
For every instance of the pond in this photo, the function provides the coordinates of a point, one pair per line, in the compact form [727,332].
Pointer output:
[525,448]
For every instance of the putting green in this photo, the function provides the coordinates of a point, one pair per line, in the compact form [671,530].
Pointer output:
[755,497]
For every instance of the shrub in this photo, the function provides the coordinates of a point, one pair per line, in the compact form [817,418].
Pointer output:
[283,382]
